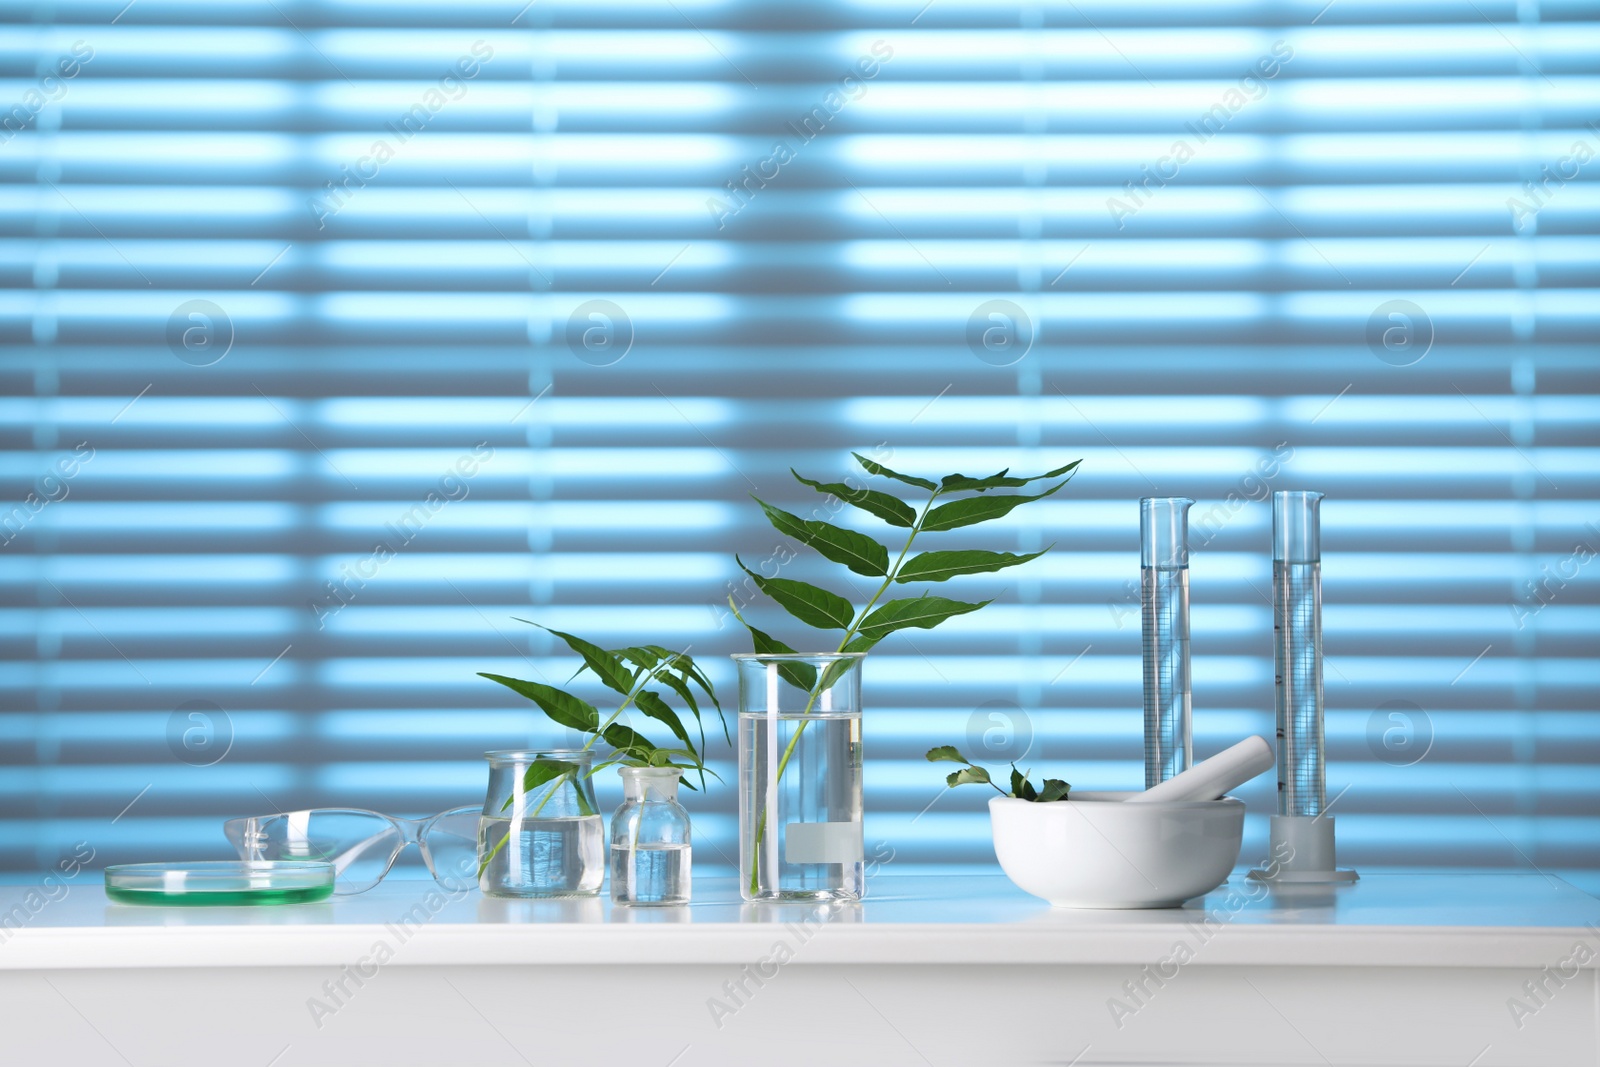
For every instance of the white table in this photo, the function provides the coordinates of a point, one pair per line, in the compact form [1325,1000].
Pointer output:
[1398,969]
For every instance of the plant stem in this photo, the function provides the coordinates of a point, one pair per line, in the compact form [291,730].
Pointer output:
[855,624]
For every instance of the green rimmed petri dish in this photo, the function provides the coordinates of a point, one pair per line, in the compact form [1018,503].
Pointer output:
[220,883]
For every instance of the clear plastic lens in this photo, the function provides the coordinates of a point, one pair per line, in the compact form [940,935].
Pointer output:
[450,847]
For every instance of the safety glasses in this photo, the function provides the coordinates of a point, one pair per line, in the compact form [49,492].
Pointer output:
[363,845]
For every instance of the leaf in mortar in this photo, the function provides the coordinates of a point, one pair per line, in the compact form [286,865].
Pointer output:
[940,566]
[923,612]
[564,708]
[1054,789]
[968,776]
[976,509]
[946,752]
[811,605]
[892,510]
[959,483]
[873,467]
[855,550]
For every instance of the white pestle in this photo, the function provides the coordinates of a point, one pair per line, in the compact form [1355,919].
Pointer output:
[1212,778]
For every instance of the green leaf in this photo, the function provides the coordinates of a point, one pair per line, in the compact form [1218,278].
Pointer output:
[960,483]
[651,704]
[947,752]
[837,669]
[976,509]
[861,643]
[607,666]
[800,675]
[624,739]
[685,665]
[939,566]
[891,510]
[544,771]
[1021,788]
[855,550]
[1054,789]
[811,605]
[541,771]
[564,708]
[923,612]
[872,467]
[968,776]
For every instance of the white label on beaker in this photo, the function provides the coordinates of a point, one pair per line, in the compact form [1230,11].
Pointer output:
[823,842]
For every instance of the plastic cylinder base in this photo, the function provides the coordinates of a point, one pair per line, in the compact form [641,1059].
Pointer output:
[1302,850]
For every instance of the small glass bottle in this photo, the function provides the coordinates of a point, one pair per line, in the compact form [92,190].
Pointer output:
[650,839]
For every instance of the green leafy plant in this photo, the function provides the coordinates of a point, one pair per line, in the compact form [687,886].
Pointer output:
[972,774]
[631,673]
[953,502]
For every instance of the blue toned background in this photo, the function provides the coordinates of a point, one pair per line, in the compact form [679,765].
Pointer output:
[273,269]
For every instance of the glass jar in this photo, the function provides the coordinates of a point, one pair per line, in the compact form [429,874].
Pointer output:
[650,839]
[540,834]
[800,833]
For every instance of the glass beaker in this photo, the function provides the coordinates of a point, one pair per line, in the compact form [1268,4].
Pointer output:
[540,834]
[650,853]
[1164,612]
[800,763]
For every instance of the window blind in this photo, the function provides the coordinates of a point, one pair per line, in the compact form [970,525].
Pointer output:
[337,334]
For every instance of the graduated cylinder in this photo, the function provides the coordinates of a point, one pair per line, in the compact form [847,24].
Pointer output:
[1297,649]
[1164,609]
[800,764]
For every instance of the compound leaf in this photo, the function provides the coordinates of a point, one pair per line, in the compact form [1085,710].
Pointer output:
[564,708]
[874,467]
[976,509]
[923,612]
[855,550]
[940,566]
[811,605]
[892,510]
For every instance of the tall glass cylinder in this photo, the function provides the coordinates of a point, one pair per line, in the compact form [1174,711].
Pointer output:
[1297,649]
[800,833]
[1164,604]
[540,834]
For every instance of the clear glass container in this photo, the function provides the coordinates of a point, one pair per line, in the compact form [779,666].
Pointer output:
[650,839]
[1164,611]
[220,882]
[800,762]
[1297,649]
[540,834]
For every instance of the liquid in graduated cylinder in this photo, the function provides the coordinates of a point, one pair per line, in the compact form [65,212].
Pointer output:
[650,874]
[544,858]
[801,840]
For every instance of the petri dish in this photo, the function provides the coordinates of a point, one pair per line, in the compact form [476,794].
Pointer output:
[220,882]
